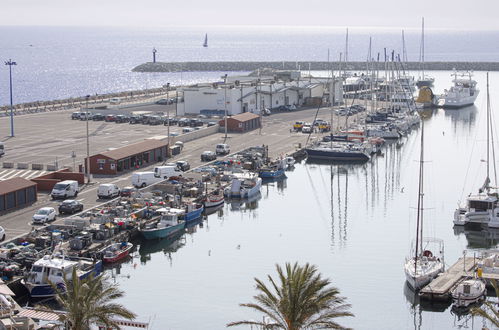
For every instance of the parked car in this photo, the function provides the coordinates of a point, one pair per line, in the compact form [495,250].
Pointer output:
[187,129]
[211,123]
[154,120]
[179,144]
[115,100]
[298,125]
[207,156]
[121,119]
[70,206]
[183,165]
[135,120]
[76,115]
[183,122]
[98,116]
[173,121]
[127,191]
[206,169]
[110,118]
[83,116]
[2,233]
[196,122]
[266,112]
[307,128]
[162,101]
[45,214]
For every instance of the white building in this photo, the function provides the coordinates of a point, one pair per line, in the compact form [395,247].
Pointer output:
[252,94]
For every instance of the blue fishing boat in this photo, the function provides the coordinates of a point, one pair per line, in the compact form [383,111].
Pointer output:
[51,270]
[168,224]
[192,212]
[273,170]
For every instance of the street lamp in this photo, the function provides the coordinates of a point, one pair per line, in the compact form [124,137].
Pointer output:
[10,64]
[168,117]
[87,163]
[225,106]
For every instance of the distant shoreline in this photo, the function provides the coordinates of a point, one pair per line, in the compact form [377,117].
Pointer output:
[304,66]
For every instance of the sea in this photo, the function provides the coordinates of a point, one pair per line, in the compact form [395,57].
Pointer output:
[354,222]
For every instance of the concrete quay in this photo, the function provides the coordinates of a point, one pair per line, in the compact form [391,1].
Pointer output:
[304,65]
[51,137]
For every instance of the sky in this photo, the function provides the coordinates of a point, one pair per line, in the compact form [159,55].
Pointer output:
[439,14]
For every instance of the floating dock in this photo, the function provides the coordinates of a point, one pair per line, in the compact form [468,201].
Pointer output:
[440,288]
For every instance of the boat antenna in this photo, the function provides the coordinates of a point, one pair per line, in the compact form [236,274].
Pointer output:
[487,180]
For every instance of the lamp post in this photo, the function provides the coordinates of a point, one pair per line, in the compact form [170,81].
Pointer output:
[87,163]
[10,64]
[168,117]
[225,106]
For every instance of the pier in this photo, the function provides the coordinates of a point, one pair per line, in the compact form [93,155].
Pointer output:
[304,65]
[440,288]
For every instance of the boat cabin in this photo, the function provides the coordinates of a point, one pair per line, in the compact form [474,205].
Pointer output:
[50,269]
[481,203]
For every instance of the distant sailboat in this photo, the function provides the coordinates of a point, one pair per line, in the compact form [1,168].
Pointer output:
[205,44]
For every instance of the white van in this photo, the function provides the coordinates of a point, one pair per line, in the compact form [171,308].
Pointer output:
[108,190]
[142,179]
[115,100]
[65,189]
[222,149]
[164,172]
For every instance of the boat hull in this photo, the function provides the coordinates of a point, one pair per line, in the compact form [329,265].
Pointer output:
[214,202]
[118,256]
[194,215]
[271,174]
[336,155]
[422,277]
[155,233]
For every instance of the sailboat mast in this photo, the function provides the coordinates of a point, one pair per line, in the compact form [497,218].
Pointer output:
[488,131]
[419,218]
[422,48]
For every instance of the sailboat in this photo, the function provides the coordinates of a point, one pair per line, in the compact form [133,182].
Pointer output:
[426,260]
[481,208]
[205,43]
[424,80]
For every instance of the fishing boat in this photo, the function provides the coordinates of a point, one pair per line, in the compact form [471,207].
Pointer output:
[426,260]
[192,211]
[205,43]
[464,91]
[290,162]
[214,199]
[469,292]
[116,251]
[51,270]
[273,170]
[243,185]
[168,224]
[481,208]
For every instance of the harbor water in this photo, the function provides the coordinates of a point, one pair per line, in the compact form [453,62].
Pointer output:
[355,222]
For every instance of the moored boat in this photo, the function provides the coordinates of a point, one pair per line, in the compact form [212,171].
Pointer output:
[214,199]
[338,152]
[464,92]
[51,270]
[243,185]
[116,251]
[168,224]
[468,292]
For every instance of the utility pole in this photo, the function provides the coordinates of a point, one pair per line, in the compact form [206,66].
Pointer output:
[225,106]
[168,118]
[87,165]
[10,64]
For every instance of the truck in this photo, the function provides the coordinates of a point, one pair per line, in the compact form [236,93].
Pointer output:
[165,172]
[65,189]
[142,179]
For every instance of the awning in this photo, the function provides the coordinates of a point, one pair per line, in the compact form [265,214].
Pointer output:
[39,315]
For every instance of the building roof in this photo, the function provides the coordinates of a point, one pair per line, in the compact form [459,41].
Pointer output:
[133,149]
[244,116]
[14,184]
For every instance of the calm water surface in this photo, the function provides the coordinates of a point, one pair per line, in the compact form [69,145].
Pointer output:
[355,222]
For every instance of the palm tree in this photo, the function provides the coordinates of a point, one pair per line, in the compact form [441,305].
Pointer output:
[489,310]
[89,301]
[302,300]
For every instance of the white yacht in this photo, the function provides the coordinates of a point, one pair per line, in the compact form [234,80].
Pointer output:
[243,185]
[463,93]
[469,292]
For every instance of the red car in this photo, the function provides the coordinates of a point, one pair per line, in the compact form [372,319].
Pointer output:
[127,191]
[110,118]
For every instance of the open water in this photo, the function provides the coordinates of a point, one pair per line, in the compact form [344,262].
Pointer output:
[355,222]
[62,62]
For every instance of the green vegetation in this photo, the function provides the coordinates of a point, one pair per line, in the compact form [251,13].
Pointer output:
[301,300]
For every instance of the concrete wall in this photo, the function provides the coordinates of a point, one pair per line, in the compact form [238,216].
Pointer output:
[46,182]
[196,134]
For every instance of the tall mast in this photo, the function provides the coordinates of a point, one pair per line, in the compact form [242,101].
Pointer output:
[422,48]
[419,218]
[488,133]
[346,48]
[404,50]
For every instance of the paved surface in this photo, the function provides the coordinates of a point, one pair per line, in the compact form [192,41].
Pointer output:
[50,137]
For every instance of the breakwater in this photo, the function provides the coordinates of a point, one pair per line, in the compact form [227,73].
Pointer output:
[287,65]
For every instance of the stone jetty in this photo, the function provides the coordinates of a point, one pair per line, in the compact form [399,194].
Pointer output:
[283,65]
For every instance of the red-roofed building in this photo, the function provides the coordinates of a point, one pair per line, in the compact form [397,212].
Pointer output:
[16,193]
[242,122]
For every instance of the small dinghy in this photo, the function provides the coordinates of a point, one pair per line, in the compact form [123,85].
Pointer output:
[468,292]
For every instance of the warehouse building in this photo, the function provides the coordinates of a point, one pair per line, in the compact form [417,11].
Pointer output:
[16,193]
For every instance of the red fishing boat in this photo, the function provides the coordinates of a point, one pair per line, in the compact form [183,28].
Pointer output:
[116,251]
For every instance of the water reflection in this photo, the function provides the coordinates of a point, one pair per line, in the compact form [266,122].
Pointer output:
[279,183]
[245,205]
[219,210]
[479,237]
[167,245]
[462,119]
